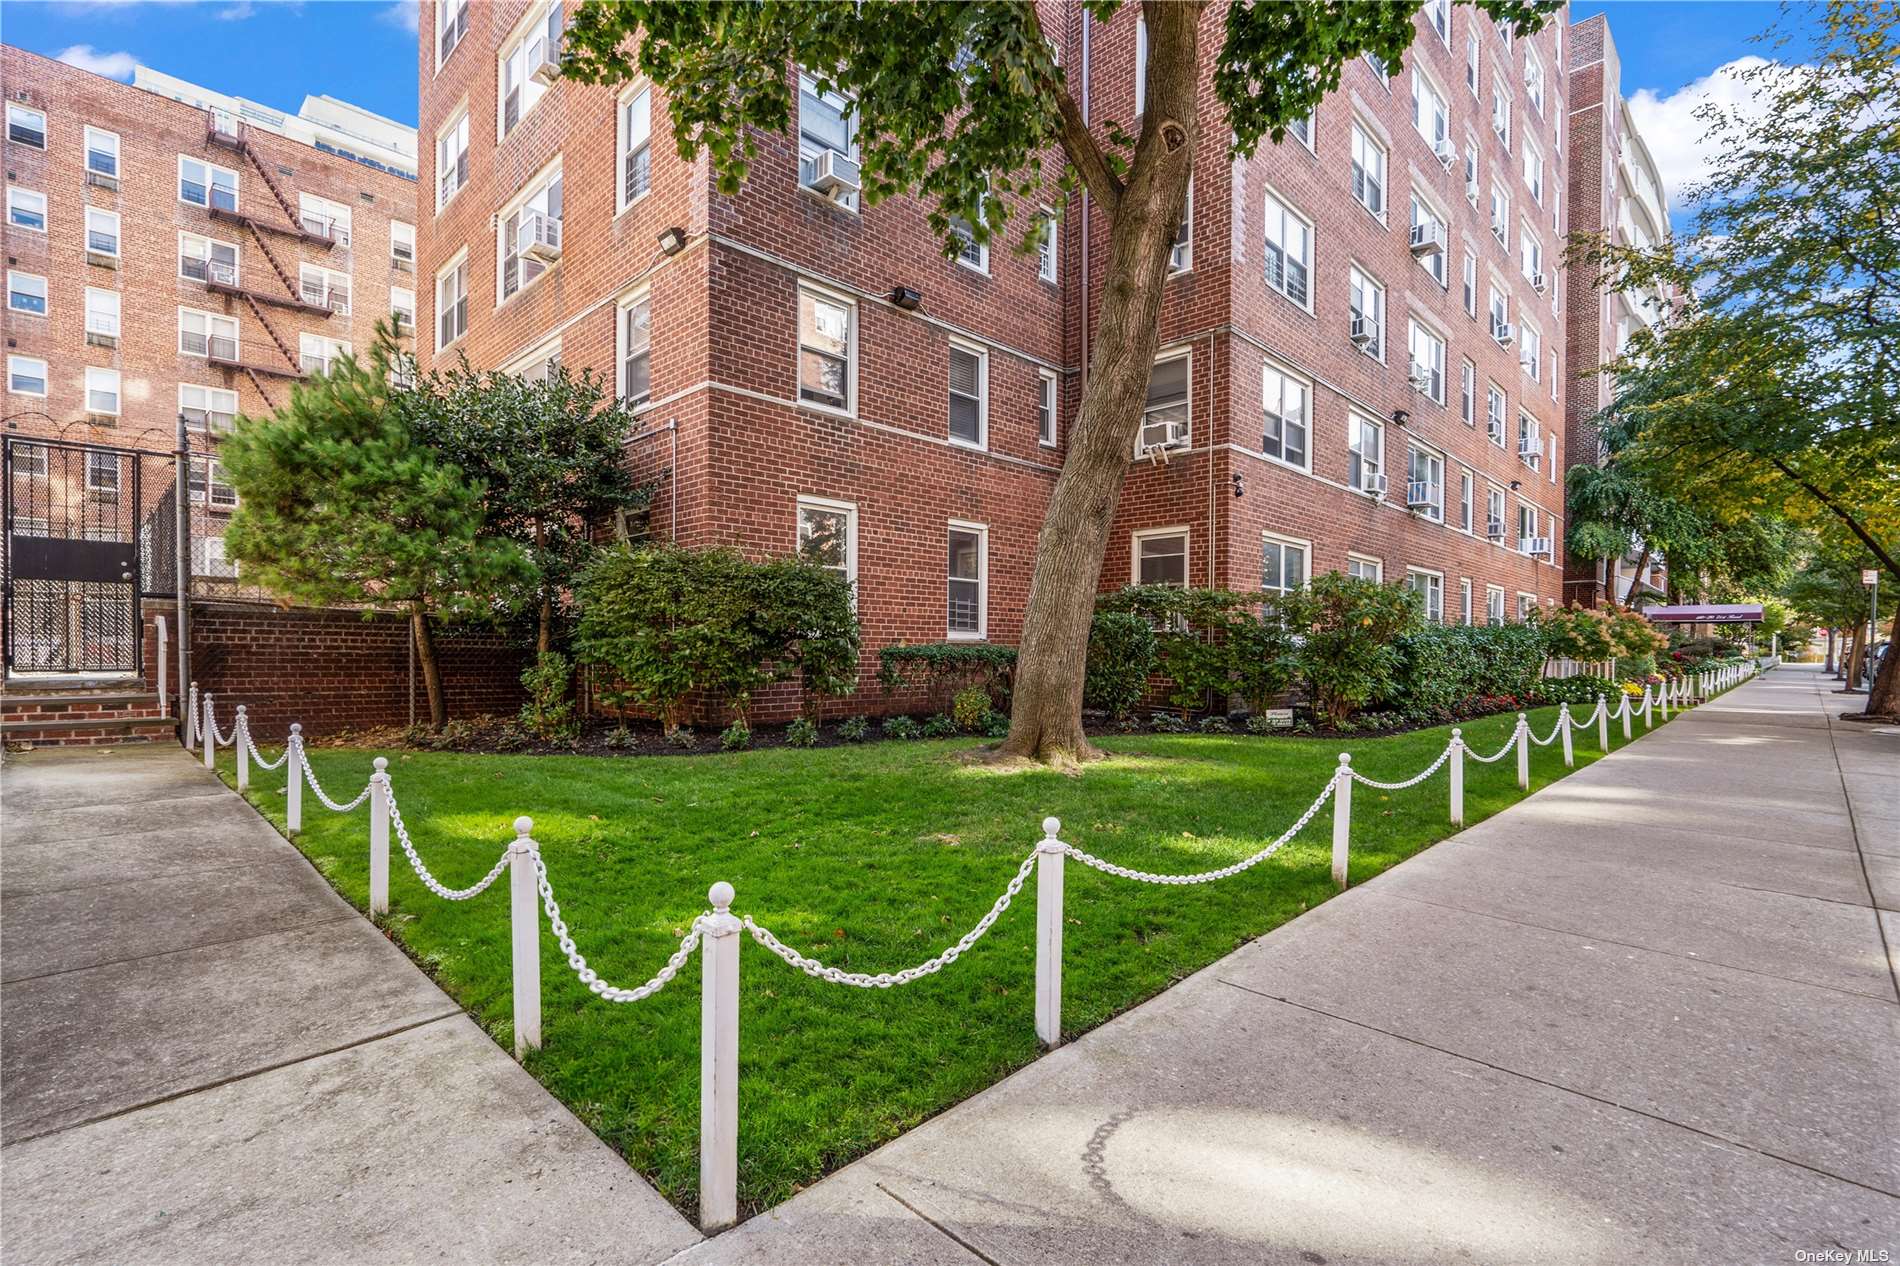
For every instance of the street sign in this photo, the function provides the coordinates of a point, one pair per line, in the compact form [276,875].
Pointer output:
[1869,575]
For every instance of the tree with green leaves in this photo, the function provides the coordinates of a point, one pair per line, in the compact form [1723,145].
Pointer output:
[340,503]
[959,103]
[1776,394]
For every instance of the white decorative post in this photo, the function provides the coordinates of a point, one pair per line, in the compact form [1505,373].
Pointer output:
[1457,777]
[1342,817]
[525,919]
[379,837]
[1662,698]
[210,735]
[1627,711]
[191,720]
[293,780]
[1564,728]
[164,695]
[243,756]
[719,1065]
[1603,724]
[1049,935]
[1523,753]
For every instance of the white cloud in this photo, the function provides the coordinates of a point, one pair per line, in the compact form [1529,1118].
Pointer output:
[1677,139]
[112,65]
[236,12]
[402,15]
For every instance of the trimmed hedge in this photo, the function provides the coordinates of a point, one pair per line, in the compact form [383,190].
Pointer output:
[1441,668]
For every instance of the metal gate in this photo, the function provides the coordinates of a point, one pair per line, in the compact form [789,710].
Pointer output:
[83,525]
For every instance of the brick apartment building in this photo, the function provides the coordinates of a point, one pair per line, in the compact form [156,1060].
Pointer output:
[1615,190]
[1364,350]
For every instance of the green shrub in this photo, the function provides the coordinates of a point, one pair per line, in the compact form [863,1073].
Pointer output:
[1121,657]
[1441,668]
[947,668]
[1167,723]
[1208,642]
[902,728]
[971,709]
[1215,725]
[1571,690]
[1260,648]
[1575,633]
[997,726]
[1349,629]
[854,729]
[940,726]
[1258,724]
[683,736]
[1635,637]
[735,737]
[801,733]
[621,738]
[549,713]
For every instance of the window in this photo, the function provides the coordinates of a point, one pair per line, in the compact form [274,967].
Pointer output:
[969,395]
[451,159]
[530,236]
[1368,171]
[1494,513]
[537,364]
[102,153]
[25,125]
[1531,253]
[1471,167]
[1181,259]
[1165,418]
[1430,587]
[1500,310]
[102,391]
[1360,567]
[324,288]
[1428,361]
[1531,351]
[1530,444]
[1471,60]
[828,536]
[1282,563]
[1526,603]
[1430,238]
[1494,413]
[1493,605]
[1365,299]
[1501,214]
[207,408]
[827,336]
[207,334]
[826,126]
[26,209]
[1467,391]
[1501,106]
[1047,260]
[102,469]
[1425,491]
[972,253]
[968,581]
[635,148]
[319,355]
[207,185]
[1045,408]
[324,218]
[206,259]
[207,485]
[1161,557]
[1534,170]
[537,45]
[1301,129]
[402,308]
[1365,448]
[1379,70]
[1471,284]
[1289,253]
[26,375]
[1467,483]
[451,302]
[1141,66]
[102,312]
[102,232]
[1429,115]
[1284,401]
[451,25]
[1438,15]
[402,246]
[636,350]
[1534,79]
[26,292]
[1464,602]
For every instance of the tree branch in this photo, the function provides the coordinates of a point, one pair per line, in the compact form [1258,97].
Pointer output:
[1073,132]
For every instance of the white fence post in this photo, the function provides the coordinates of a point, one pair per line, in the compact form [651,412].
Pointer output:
[1662,699]
[164,694]
[1649,703]
[719,1065]
[1049,855]
[191,720]
[1603,724]
[379,837]
[243,755]
[1627,711]
[293,781]
[1457,777]
[1342,817]
[525,919]
[209,734]
[1564,728]
[1523,752]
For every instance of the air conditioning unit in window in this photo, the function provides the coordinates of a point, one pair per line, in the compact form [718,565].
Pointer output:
[1471,190]
[1428,239]
[1373,483]
[1418,495]
[1535,546]
[1502,332]
[1164,435]
[548,69]
[1494,528]
[1494,428]
[539,237]
[221,274]
[1360,332]
[1447,154]
[1539,283]
[1421,379]
[832,172]
[1530,449]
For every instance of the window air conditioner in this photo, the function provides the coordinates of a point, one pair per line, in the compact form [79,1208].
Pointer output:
[832,172]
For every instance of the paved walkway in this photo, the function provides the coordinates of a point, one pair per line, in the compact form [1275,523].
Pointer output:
[1649,1014]
[208,1057]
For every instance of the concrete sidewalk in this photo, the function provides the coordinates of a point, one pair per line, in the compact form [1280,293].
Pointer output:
[1647,1014]
[207,1056]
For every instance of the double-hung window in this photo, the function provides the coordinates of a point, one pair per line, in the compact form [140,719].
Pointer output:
[967,582]
[208,486]
[969,390]
[206,259]
[1467,484]
[26,209]
[537,46]
[1501,106]
[26,292]
[451,25]
[1493,604]
[828,536]
[1467,391]
[323,218]
[402,308]
[1464,601]
[1365,302]
[1471,59]
[451,159]
[1494,413]
[1046,420]
[827,345]
[207,185]
[1181,256]
[402,246]
[207,334]
[1368,171]
[1494,514]
[102,153]
[1165,417]
[971,253]
[1531,351]
[1431,238]
[1530,442]
[451,302]
[1429,114]
[1526,526]
[1500,309]
[102,313]
[636,146]
[1430,588]
[1428,361]
[636,350]
[102,391]
[26,376]
[102,232]
[1534,79]
[1284,401]
[1047,258]
[324,288]
[1501,213]
[1534,170]
[319,355]
[1359,567]
[26,126]
[1161,558]
[1471,283]
[1425,480]
[1438,15]
[1365,453]
[207,408]
[1289,251]
[827,143]
[102,469]
[1283,563]
[1531,253]
[530,236]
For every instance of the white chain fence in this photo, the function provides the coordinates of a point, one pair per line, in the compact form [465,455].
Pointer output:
[1415,779]
[586,974]
[257,756]
[310,776]
[1207,876]
[1563,718]
[1510,745]
[429,881]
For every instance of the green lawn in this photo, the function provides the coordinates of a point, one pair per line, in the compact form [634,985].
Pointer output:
[869,858]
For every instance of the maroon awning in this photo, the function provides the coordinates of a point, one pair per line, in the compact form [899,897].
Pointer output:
[1707,613]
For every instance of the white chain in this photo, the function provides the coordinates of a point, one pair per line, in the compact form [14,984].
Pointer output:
[1590,720]
[1206,876]
[1413,781]
[1501,753]
[884,980]
[587,975]
[1555,730]
[311,775]
[210,727]
[422,872]
[258,756]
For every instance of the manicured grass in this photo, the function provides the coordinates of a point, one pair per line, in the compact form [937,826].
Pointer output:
[870,859]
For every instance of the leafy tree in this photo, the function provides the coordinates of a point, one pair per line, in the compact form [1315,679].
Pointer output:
[959,103]
[1348,632]
[340,503]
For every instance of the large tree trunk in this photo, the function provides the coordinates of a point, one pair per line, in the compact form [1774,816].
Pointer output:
[1046,707]
[1830,650]
[431,671]
[1884,699]
[1636,578]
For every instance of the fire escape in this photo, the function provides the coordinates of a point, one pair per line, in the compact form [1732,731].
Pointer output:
[226,131]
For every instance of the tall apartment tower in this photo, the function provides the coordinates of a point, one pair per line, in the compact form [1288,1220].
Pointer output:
[1616,192]
[173,252]
[1362,349]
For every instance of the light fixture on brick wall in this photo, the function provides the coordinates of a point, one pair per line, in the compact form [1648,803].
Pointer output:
[1240,484]
[906,298]
[1400,417]
[672,240]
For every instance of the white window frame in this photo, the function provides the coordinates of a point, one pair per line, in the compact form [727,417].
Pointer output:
[1530,342]
[1435,262]
[108,217]
[850,306]
[1363,182]
[1470,281]
[1147,406]
[1494,498]
[1357,424]
[1181,255]
[1277,216]
[1269,371]
[1048,259]
[1365,562]
[1467,499]
[1285,543]
[213,321]
[1534,170]
[448,13]
[445,160]
[17,198]
[982,355]
[211,171]
[185,409]
[17,365]
[1467,391]
[982,534]
[1530,252]
[536,190]
[1425,88]
[1436,354]
[104,303]
[1494,610]
[397,260]
[1473,61]
[1464,601]
[1141,66]
[1359,283]
[1533,433]
[1434,460]
[1534,79]
[809,144]
[1434,586]
[1495,395]
[532,28]
[321,348]
[103,375]
[628,146]
[825,505]
[205,479]
[237,262]
[28,113]
[328,280]
[1048,405]
[1137,539]
[45,296]
[623,347]
[97,460]
[323,210]
[458,263]
[403,315]
[1526,603]
[1437,14]
[1501,105]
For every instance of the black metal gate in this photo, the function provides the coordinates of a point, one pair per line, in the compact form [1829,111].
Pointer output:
[83,524]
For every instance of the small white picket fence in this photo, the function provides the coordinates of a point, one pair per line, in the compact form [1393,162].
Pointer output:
[716,931]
